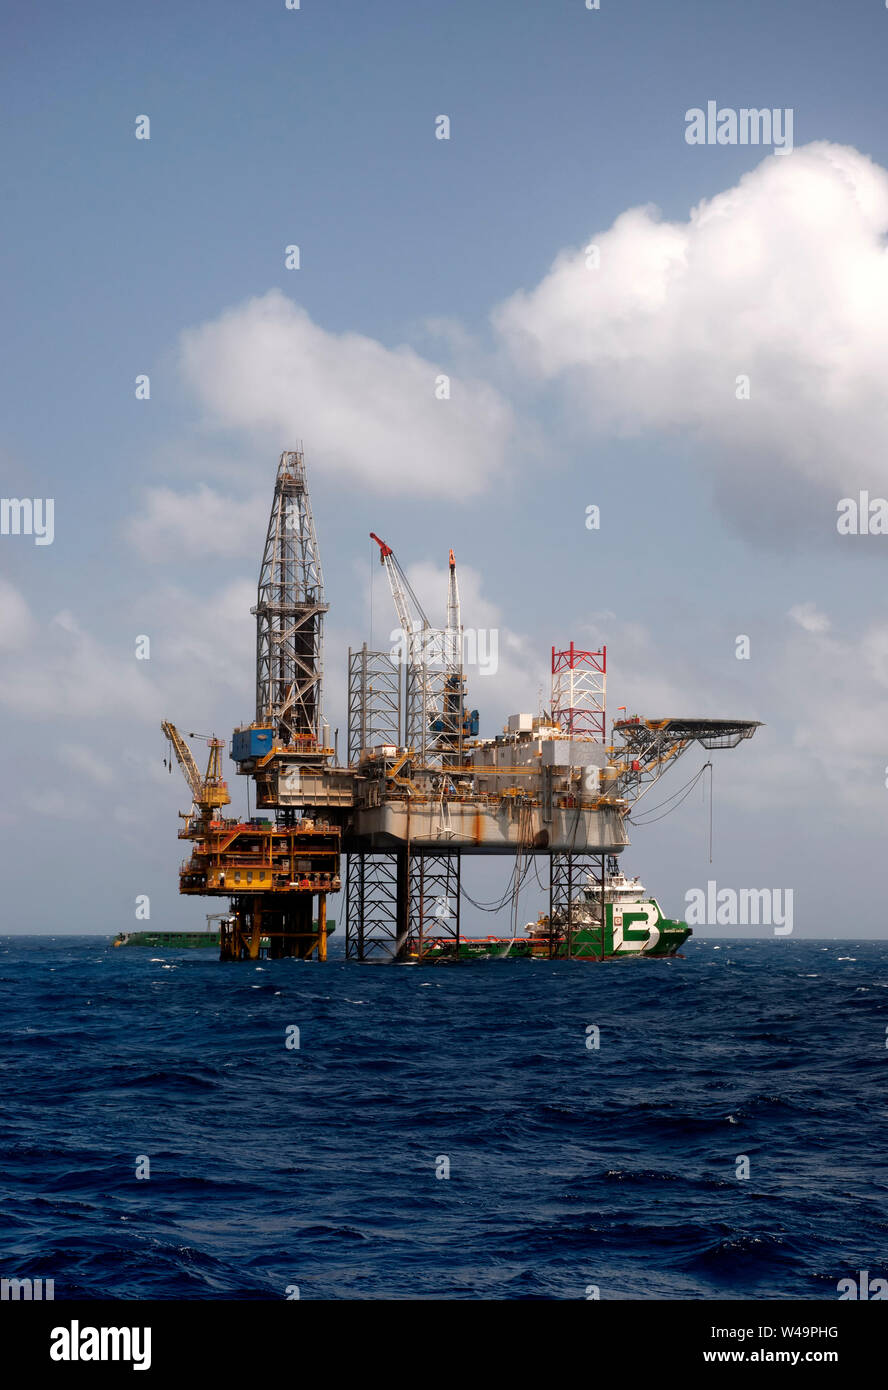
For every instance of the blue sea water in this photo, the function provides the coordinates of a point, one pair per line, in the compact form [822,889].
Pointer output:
[569,1166]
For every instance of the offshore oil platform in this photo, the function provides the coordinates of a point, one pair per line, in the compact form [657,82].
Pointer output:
[419,789]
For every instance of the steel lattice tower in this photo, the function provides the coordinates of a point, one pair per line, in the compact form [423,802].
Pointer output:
[290,613]
[579,682]
[374,701]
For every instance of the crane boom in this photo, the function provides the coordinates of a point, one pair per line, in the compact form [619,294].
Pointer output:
[422,644]
[454,618]
[436,717]
[401,592]
[208,792]
[185,758]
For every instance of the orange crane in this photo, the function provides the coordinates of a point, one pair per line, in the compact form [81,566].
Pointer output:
[209,792]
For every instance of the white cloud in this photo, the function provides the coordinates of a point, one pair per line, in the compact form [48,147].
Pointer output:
[364,411]
[783,278]
[202,655]
[835,691]
[204,649]
[808,616]
[52,802]
[87,762]
[821,694]
[16,623]
[60,669]
[187,526]
[518,680]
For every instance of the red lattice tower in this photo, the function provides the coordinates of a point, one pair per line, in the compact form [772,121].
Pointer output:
[579,685]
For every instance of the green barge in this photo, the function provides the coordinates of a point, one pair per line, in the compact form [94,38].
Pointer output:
[187,940]
[167,940]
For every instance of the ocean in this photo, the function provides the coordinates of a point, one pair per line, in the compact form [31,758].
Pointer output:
[450,1132]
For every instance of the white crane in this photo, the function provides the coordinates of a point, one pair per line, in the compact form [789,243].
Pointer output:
[415,623]
[453,650]
[423,645]
[454,686]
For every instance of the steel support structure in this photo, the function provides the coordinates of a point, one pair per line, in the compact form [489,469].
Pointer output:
[651,746]
[397,904]
[569,874]
[376,905]
[420,708]
[434,708]
[434,902]
[261,925]
[374,701]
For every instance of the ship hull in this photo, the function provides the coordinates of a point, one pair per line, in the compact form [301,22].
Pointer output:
[169,940]
[631,931]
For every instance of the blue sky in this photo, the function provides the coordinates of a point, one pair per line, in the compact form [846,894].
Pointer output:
[316,127]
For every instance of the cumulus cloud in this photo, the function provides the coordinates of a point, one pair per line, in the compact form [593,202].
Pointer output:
[819,688]
[782,279]
[202,653]
[62,670]
[504,671]
[16,623]
[206,646]
[365,411]
[836,690]
[196,525]
[86,762]
[808,616]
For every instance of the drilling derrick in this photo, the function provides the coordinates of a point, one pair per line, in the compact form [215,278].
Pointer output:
[290,615]
[285,749]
